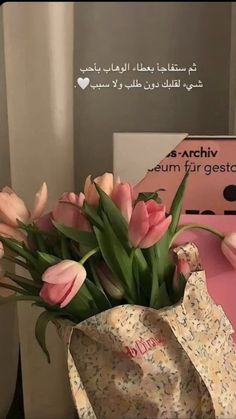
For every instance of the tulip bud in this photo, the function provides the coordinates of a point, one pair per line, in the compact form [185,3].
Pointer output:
[228,247]
[148,224]
[12,208]
[12,233]
[110,284]
[40,202]
[44,223]
[182,268]
[68,211]
[62,282]
[105,182]
[122,197]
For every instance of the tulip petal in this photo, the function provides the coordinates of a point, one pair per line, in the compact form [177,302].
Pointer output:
[62,282]
[105,182]
[230,241]
[81,198]
[153,206]
[61,273]
[183,267]
[44,223]
[76,285]
[10,232]
[156,212]
[91,195]
[12,208]
[122,197]
[40,202]
[82,222]
[8,190]
[139,224]
[54,294]
[66,213]
[87,184]
[73,198]
[228,253]
[155,233]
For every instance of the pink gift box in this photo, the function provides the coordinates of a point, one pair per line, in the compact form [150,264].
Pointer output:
[221,276]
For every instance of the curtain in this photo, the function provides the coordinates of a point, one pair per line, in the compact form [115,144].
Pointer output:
[37,141]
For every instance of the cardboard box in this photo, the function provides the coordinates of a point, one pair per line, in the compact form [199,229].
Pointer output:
[159,160]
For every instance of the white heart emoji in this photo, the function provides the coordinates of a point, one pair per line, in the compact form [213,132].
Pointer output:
[83,83]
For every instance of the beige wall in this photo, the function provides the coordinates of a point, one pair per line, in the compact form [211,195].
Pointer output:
[4,144]
[38,43]
[143,31]
[8,314]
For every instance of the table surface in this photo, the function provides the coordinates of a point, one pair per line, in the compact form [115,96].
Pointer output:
[221,276]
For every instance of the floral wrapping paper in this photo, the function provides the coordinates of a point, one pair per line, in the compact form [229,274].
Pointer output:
[135,362]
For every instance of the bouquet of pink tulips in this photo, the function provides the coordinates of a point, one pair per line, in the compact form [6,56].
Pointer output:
[128,306]
[101,248]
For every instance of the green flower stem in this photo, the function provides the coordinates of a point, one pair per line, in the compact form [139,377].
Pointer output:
[88,255]
[16,261]
[142,263]
[192,226]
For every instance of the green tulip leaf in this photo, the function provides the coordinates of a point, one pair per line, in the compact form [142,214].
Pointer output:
[45,260]
[176,206]
[19,249]
[92,215]
[84,238]
[116,257]
[163,299]
[116,219]
[146,196]
[27,284]
[13,288]
[99,296]
[41,326]
[155,280]
[179,292]
[82,306]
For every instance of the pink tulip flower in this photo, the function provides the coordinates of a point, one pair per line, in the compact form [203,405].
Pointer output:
[148,224]
[12,233]
[13,208]
[62,282]
[39,202]
[44,223]
[105,182]
[67,211]
[228,247]
[181,268]
[122,197]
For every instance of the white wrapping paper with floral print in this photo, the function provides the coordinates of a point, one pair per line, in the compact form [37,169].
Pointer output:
[133,362]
